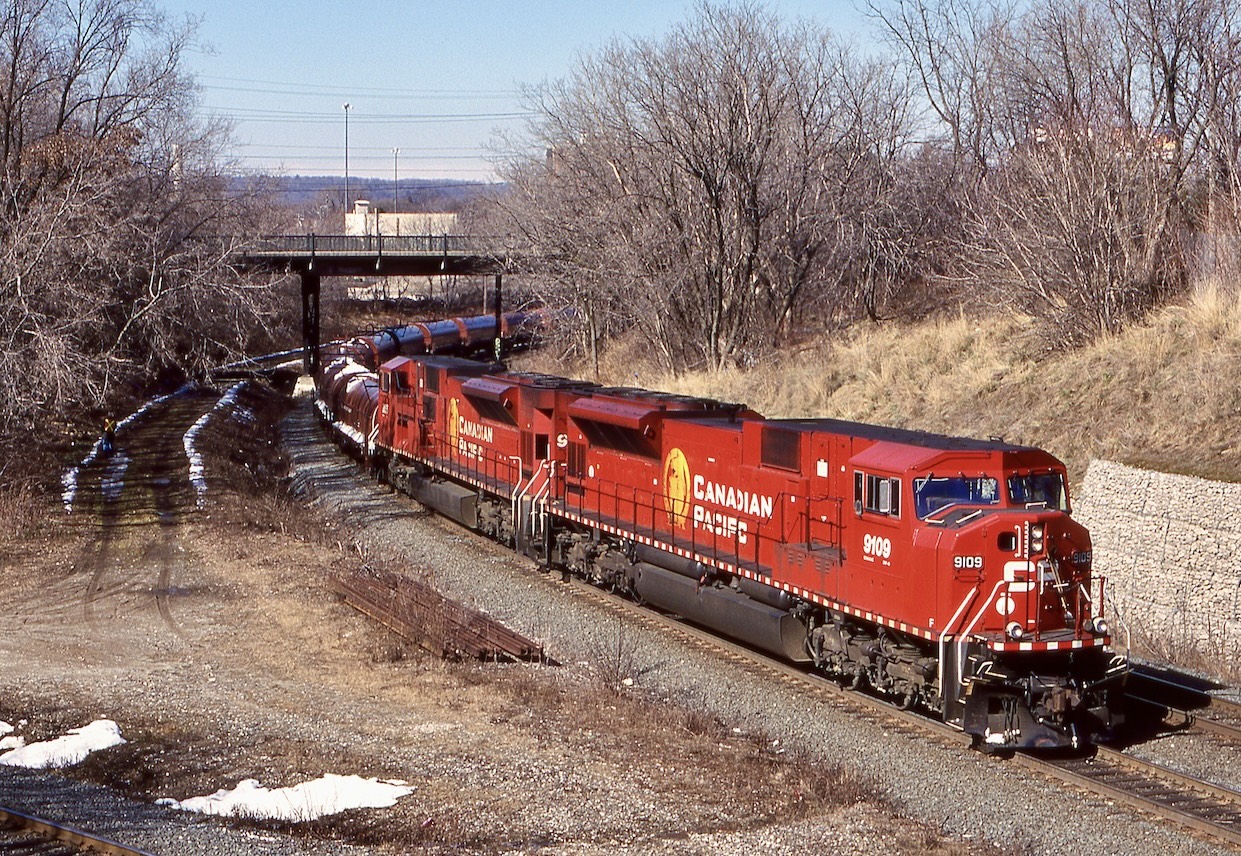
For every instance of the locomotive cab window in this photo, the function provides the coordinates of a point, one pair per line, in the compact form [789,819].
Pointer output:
[876,494]
[1045,490]
[937,493]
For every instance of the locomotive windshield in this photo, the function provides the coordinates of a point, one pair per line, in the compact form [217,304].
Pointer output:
[1046,490]
[936,493]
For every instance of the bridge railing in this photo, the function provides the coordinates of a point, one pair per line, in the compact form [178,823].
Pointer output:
[371,244]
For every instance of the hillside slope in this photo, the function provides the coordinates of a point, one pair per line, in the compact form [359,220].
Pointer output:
[1165,394]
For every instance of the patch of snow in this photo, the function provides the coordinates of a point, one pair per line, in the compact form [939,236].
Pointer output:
[307,801]
[198,476]
[9,741]
[112,482]
[67,750]
[70,478]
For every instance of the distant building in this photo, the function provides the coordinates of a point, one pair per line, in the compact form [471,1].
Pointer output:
[365,220]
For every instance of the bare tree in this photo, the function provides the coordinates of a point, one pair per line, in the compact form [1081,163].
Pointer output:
[1090,129]
[109,187]
[710,183]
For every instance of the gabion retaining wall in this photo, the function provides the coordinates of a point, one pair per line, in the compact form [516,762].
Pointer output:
[1170,547]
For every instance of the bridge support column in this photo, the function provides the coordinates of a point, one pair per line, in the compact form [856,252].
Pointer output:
[310,323]
[499,300]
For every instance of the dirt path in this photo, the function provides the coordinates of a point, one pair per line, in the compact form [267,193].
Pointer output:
[211,637]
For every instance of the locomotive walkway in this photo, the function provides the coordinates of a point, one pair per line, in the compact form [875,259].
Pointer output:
[312,257]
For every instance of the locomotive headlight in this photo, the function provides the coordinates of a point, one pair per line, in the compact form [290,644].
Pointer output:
[1036,538]
[1100,626]
[1015,630]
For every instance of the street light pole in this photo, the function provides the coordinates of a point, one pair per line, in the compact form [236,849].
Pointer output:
[346,158]
[395,186]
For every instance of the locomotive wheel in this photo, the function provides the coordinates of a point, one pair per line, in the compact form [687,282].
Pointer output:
[859,679]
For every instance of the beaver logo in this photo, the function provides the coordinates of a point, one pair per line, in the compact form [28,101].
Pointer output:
[453,420]
[676,487]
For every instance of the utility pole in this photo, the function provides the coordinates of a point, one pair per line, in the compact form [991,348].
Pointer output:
[395,186]
[346,158]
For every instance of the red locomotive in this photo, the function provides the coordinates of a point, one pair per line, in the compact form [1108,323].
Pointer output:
[349,387]
[941,571]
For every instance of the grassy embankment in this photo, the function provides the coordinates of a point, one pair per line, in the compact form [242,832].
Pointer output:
[1164,394]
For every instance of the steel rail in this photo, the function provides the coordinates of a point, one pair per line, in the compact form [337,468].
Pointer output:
[1152,788]
[59,832]
[417,612]
[1207,809]
[1219,716]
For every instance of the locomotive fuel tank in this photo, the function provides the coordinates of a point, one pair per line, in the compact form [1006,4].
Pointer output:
[719,607]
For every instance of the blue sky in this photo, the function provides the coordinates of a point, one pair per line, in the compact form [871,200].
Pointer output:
[434,80]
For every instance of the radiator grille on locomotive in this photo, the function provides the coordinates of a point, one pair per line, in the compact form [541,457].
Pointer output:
[781,449]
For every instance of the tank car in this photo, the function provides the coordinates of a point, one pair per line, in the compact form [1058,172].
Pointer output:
[943,572]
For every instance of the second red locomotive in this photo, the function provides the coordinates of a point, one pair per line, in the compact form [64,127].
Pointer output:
[945,572]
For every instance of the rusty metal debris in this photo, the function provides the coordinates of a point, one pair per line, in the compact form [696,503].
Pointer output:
[448,629]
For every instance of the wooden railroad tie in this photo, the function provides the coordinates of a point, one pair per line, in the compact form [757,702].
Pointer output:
[416,612]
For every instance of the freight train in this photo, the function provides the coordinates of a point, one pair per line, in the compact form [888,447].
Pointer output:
[943,572]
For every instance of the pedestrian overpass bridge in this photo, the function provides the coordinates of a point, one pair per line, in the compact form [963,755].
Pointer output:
[312,257]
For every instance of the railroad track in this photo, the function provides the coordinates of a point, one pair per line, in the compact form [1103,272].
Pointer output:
[1152,788]
[1207,811]
[1223,717]
[24,833]
[1173,695]
[446,628]
[1146,787]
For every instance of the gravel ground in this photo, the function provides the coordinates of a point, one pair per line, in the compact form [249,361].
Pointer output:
[249,669]
[142,825]
[968,795]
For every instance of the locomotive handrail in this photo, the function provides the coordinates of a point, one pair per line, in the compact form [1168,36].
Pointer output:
[516,489]
[832,526]
[539,498]
[943,636]
[964,637]
[642,509]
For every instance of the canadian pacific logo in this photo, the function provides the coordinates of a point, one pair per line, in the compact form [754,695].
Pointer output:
[676,486]
[462,432]
[715,507]
[453,416]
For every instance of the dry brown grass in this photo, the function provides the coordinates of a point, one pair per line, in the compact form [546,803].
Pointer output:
[23,508]
[1164,394]
[1204,647]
